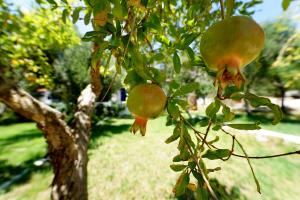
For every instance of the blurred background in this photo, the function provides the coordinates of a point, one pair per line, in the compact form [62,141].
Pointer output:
[125,166]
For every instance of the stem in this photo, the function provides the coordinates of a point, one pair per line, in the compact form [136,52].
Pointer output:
[232,149]
[222,9]
[109,87]
[206,133]
[107,63]
[270,156]
[202,173]
[252,170]
[259,157]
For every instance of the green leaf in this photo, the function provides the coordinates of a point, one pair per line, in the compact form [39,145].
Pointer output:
[185,89]
[187,39]
[154,22]
[214,169]
[87,17]
[173,110]
[191,53]
[192,164]
[75,14]
[256,101]
[181,184]
[52,2]
[216,127]
[132,78]
[174,84]
[212,109]
[251,168]
[88,36]
[202,193]
[228,115]
[216,154]
[177,159]
[254,126]
[203,121]
[65,14]
[177,168]
[237,96]
[185,134]
[117,10]
[176,62]
[175,135]
[158,75]
[214,140]
[144,3]
[163,39]
[285,4]
[182,103]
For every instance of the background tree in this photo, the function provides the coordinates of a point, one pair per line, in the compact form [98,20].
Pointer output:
[263,76]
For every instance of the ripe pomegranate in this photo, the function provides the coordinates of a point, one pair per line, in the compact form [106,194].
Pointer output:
[229,45]
[101,18]
[145,101]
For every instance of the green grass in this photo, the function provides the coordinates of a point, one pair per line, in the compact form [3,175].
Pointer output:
[22,144]
[126,166]
[289,125]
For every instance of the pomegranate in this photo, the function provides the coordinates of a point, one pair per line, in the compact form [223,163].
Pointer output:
[145,101]
[229,45]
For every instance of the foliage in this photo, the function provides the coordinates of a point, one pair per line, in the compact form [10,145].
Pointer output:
[28,41]
[272,69]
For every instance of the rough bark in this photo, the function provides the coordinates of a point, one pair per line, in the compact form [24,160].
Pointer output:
[67,144]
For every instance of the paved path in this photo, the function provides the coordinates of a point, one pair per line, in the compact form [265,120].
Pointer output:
[262,135]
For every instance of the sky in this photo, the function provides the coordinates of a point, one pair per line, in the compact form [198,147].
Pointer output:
[267,11]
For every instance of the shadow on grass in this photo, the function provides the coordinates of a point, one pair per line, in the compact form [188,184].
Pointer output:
[220,190]
[12,175]
[24,135]
[107,128]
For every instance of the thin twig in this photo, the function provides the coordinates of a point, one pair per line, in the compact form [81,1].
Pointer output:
[270,156]
[107,63]
[232,148]
[261,157]
[251,168]
[206,133]
[201,171]
[222,9]
[109,87]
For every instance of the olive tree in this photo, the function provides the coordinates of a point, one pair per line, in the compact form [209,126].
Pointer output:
[139,36]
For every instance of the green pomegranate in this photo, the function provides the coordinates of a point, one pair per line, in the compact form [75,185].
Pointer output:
[229,45]
[145,101]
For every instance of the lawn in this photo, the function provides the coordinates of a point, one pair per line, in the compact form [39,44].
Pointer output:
[126,166]
[289,124]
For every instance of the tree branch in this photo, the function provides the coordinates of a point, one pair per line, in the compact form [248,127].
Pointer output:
[49,120]
[85,107]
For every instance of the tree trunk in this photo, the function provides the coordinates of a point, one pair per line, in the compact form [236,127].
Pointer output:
[282,95]
[67,144]
[70,173]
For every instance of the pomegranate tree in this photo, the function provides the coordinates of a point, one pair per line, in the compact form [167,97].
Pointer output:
[145,101]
